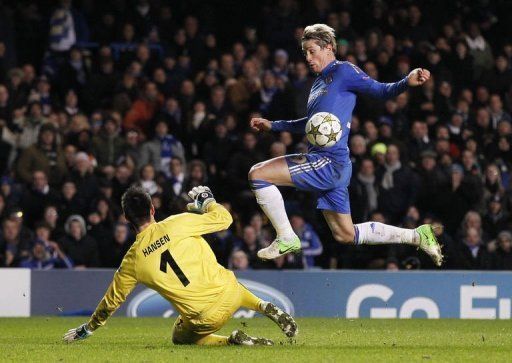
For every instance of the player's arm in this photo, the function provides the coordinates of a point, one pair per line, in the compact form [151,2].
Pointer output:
[215,218]
[295,126]
[358,81]
[207,215]
[122,284]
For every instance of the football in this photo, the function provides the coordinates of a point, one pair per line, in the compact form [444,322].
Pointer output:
[323,129]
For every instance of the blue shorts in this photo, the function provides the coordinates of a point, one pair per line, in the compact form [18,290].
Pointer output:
[318,173]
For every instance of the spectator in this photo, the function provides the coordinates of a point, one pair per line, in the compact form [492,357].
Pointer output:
[14,245]
[504,251]
[242,161]
[239,261]
[37,197]
[144,109]
[196,175]
[161,149]
[69,202]
[472,253]
[46,254]
[397,186]
[77,245]
[463,195]
[120,245]
[45,155]
[496,219]
[363,191]
[108,145]
[311,244]
[433,182]
[85,180]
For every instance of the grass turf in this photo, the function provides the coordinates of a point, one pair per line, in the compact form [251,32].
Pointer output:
[319,340]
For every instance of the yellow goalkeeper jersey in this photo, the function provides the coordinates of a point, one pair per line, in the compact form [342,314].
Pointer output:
[173,259]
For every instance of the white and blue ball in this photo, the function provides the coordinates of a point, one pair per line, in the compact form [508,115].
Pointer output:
[323,129]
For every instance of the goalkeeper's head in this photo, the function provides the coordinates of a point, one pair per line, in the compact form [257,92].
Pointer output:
[137,207]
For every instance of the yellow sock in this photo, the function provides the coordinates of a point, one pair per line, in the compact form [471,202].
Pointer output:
[250,301]
[213,339]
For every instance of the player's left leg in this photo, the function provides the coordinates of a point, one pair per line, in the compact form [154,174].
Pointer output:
[374,233]
[264,178]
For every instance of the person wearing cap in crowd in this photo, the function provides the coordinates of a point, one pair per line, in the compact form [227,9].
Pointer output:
[378,152]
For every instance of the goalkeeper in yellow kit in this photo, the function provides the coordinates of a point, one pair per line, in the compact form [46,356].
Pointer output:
[173,259]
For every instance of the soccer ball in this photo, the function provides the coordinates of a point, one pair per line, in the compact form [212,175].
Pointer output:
[323,129]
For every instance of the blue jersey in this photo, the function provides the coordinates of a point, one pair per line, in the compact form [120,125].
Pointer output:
[334,91]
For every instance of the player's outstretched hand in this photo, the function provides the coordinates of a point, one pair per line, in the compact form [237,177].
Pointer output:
[260,124]
[418,76]
[77,334]
[201,196]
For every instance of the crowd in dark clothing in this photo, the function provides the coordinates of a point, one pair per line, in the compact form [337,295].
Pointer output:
[97,96]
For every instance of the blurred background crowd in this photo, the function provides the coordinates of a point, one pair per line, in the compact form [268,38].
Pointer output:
[98,95]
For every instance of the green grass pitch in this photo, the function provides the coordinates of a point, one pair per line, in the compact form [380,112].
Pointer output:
[319,340]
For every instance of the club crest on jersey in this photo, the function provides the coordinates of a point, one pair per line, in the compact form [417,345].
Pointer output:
[328,79]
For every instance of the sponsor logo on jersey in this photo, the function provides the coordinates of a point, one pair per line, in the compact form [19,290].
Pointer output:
[149,303]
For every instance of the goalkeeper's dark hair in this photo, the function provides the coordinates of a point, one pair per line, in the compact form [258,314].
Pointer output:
[136,204]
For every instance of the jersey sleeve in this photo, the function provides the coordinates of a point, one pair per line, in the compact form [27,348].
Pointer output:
[123,283]
[356,80]
[216,219]
[295,126]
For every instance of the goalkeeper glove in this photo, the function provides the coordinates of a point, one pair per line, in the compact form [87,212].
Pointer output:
[202,197]
[77,334]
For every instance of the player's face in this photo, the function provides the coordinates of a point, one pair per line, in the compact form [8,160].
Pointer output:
[316,56]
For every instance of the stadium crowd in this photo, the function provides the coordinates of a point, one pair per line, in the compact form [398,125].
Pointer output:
[96,96]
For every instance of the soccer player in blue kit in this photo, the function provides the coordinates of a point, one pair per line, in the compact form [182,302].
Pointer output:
[327,170]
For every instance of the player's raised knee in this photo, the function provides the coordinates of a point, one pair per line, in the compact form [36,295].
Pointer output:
[257,172]
[345,237]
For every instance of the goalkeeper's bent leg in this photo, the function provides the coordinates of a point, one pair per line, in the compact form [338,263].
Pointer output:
[182,334]
[250,301]
[282,319]
[213,339]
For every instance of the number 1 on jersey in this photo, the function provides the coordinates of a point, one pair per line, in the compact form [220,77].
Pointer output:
[166,258]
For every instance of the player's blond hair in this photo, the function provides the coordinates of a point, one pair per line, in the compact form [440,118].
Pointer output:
[322,35]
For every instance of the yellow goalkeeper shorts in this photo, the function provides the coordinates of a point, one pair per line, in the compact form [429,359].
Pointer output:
[189,331]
